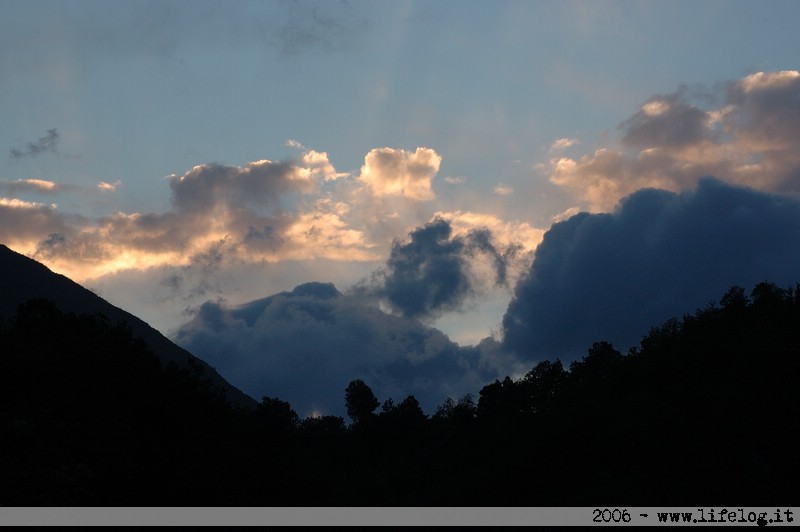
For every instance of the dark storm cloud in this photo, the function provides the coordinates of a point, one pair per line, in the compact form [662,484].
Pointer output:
[306,345]
[433,272]
[46,144]
[659,255]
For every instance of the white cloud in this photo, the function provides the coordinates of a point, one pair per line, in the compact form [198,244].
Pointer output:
[319,165]
[397,172]
[108,187]
[292,143]
[768,80]
[563,143]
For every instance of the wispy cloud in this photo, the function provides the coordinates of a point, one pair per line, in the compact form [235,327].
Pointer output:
[42,186]
[563,143]
[503,190]
[46,144]
[324,26]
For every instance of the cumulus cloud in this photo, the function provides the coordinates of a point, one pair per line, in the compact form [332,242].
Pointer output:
[391,171]
[306,345]
[747,133]
[260,211]
[437,270]
[209,187]
[659,255]
[46,144]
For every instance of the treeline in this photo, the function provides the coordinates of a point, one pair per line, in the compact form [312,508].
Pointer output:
[703,412]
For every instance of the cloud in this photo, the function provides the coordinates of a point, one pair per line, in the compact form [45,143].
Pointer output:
[314,25]
[503,190]
[261,211]
[659,255]
[666,122]
[391,171]
[108,187]
[437,271]
[319,165]
[214,187]
[46,144]
[292,143]
[23,224]
[562,144]
[306,345]
[746,133]
[42,186]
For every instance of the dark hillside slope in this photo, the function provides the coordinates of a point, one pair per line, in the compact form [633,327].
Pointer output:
[89,416]
[22,279]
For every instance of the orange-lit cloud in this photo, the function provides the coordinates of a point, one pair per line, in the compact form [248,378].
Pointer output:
[42,186]
[261,211]
[391,171]
[750,135]
[108,187]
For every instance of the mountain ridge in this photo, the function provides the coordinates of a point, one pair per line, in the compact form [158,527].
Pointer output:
[23,279]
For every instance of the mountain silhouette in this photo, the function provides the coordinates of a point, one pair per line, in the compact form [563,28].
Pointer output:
[23,279]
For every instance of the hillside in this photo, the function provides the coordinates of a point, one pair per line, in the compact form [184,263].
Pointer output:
[22,279]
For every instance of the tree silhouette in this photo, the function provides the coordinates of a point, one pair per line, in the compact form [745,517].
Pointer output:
[542,385]
[278,415]
[359,401]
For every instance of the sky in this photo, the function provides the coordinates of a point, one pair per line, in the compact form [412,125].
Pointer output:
[427,195]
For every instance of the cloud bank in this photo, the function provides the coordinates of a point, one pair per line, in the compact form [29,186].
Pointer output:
[262,211]
[745,133]
[661,254]
[306,345]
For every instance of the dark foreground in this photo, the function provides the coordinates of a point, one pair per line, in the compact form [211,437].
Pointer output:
[704,412]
